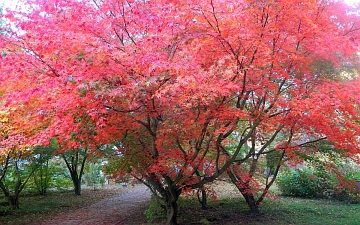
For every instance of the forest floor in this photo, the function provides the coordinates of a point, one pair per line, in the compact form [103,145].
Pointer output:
[117,205]
[125,208]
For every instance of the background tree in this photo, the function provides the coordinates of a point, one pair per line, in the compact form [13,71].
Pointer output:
[14,156]
[42,175]
[93,174]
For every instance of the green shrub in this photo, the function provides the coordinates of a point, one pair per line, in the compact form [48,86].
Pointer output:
[62,182]
[305,183]
[314,183]
[347,196]
[93,174]
[353,175]
[4,208]
[154,212]
[272,160]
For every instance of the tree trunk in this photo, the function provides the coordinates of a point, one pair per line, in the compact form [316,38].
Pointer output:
[13,202]
[77,188]
[172,212]
[202,199]
[252,203]
[72,165]
[172,195]
[245,190]
[168,192]
[77,184]
[13,199]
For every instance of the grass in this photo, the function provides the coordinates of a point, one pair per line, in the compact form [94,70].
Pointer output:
[34,207]
[283,211]
[306,211]
[231,208]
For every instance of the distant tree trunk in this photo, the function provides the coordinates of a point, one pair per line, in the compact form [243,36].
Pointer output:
[44,178]
[203,198]
[13,201]
[43,181]
[76,166]
[47,178]
[77,183]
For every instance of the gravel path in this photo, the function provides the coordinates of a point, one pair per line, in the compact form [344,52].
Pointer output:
[126,208]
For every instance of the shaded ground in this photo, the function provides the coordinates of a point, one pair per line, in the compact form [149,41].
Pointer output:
[126,208]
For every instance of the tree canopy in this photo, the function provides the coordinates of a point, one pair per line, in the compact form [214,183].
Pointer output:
[177,83]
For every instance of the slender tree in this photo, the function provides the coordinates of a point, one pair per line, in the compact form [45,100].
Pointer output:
[75,162]
[43,174]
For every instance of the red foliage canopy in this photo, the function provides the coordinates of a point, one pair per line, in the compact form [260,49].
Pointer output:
[181,79]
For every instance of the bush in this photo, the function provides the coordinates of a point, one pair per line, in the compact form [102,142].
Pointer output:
[4,208]
[305,183]
[154,212]
[314,183]
[62,182]
[347,196]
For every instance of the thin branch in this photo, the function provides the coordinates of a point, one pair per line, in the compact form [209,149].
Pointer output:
[181,148]
[352,29]
[214,15]
[121,111]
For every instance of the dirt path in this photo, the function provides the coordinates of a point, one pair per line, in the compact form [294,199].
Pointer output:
[126,208]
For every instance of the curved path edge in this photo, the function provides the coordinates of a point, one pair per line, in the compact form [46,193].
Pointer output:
[117,210]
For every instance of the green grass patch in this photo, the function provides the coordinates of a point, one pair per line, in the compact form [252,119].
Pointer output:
[283,211]
[34,207]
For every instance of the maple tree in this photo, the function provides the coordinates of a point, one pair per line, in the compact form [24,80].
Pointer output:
[178,83]
[14,154]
